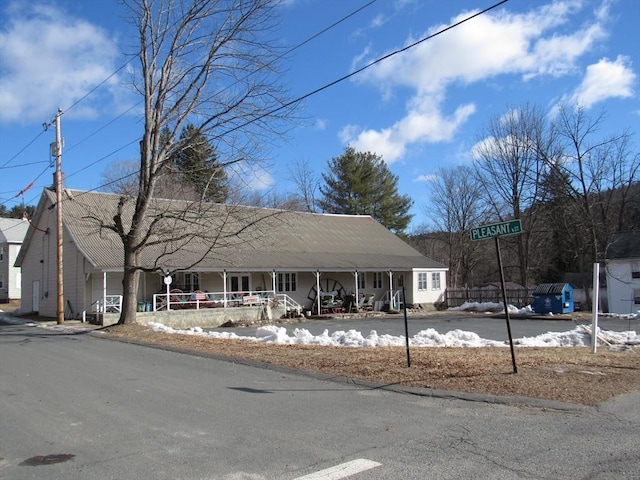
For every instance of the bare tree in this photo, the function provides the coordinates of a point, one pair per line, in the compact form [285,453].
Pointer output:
[121,177]
[600,174]
[270,198]
[210,64]
[455,207]
[509,162]
[307,184]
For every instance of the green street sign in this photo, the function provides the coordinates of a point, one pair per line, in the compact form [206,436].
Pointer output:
[511,227]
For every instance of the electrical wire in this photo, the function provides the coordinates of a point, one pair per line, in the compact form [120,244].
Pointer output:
[345,77]
[299,45]
[319,89]
[22,149]
[359,70]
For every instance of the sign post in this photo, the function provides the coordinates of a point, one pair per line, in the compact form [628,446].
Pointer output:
[496,230]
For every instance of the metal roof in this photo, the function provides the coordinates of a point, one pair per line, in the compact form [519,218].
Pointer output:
[215,237]
[624,245]
[13,230]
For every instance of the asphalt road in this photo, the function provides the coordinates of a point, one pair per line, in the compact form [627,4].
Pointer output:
[75,406]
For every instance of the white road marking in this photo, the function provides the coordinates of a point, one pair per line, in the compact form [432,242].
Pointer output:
[343,470]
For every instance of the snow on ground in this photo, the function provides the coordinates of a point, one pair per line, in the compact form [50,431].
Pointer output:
[578,337]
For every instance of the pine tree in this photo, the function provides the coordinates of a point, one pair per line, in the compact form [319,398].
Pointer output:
[197,165]
[359,183]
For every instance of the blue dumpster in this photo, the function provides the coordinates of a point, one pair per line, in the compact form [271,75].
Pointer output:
[553,298]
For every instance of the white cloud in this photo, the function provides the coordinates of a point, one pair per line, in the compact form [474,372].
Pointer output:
[259,179]
[605,79]
[50,60]
[494,44]
[429,178]
[378,21]
[320,124]
[423,123]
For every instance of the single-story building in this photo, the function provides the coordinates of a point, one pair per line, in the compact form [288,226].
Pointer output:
[622,267]
[209,255]
[12,233]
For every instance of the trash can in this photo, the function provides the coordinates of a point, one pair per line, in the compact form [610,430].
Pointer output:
[147,307]
[140,307]
[553,298]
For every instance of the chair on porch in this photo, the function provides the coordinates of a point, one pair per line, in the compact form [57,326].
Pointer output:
[367,302]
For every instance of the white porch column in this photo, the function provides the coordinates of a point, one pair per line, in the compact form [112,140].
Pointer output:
[224,287]
[357,297]
[104,292]
[318,299]
[273,281]
[391,304]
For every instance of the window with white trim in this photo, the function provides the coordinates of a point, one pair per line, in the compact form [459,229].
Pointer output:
[635,270]
[377,280]
[1,254]
[192,281]
[636,296]
[362,281]
[1,280]
[422,280]
[435,281]
[287,282]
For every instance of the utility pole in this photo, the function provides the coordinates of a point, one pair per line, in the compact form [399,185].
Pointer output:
[59,250]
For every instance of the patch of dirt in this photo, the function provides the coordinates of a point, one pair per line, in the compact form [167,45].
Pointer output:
[570,374]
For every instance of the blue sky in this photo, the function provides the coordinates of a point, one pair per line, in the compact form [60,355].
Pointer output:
[420,110]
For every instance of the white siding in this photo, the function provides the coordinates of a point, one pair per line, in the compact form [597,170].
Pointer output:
[620,286]
[431,294]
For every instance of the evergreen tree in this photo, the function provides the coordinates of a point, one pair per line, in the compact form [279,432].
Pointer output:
[359,183]
[197,165]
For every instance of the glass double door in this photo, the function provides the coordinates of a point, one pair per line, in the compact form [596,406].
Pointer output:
[239,283]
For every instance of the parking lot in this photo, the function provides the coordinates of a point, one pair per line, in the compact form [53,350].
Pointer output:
[488,326]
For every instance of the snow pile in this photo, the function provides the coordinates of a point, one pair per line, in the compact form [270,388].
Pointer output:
[491,307]
[578,337]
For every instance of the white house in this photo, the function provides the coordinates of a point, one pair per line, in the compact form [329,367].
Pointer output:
[220,255]
[622,264]
[12,233]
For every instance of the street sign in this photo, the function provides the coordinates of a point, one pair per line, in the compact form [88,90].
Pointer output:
[511,227]
[496,230]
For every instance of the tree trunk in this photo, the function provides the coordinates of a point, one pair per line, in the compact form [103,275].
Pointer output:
[130,290]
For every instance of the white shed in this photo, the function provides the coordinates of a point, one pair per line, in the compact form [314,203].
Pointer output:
[622,264]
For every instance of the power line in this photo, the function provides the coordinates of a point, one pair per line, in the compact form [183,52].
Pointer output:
[299,45]
[99,85]
[324,87]
[22,149]
[349,75]
[341,79]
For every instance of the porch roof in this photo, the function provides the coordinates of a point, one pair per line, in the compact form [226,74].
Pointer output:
[216,237]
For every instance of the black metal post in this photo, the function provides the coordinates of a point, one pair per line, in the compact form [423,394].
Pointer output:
[406,325]
[506,307]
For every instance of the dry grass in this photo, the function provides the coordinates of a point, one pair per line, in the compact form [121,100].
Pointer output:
[570,374]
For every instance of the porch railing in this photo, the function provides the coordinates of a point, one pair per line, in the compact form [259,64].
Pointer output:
[110,304]
[397,300]
[177,300]
[290,305]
